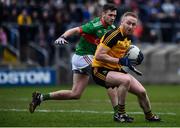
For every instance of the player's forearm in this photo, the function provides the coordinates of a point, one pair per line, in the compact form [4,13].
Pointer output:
[71,32]
[102,55]
[106,58]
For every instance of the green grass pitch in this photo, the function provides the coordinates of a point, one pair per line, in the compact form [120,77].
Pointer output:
[92,110]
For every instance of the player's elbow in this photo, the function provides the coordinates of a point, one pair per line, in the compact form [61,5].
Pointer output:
[78,30]
[101,54]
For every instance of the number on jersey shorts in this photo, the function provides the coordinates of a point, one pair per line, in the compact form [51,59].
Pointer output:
[80,63]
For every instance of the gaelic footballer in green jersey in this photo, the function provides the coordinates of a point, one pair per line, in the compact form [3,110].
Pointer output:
[91,33]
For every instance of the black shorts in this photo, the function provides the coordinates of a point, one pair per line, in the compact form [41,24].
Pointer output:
[99,75]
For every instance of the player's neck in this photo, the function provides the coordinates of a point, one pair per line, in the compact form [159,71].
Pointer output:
[104,23]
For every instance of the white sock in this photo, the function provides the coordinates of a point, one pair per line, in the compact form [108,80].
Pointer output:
[41,97]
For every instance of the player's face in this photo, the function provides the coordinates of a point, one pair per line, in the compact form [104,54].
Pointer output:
[129,23]
[109,16]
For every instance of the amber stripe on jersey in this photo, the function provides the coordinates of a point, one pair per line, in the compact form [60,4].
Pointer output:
[99,75]
[113,34]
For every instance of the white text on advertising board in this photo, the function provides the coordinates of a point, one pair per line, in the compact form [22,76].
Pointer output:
[31,77]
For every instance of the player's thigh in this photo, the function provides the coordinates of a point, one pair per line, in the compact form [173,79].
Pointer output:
[81,71]
[117,78]
[80,82]
[135,86]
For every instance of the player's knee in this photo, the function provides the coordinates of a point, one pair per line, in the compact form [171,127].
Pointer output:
[142,93]
[126,81]
[76,96]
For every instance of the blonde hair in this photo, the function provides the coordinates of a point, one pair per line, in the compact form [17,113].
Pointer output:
[133,14]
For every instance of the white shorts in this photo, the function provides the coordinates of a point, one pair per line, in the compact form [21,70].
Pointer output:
[79,63]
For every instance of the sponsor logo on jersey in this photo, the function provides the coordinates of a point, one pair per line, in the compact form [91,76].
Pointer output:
[99,31]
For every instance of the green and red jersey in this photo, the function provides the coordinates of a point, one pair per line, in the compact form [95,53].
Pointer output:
[91,34]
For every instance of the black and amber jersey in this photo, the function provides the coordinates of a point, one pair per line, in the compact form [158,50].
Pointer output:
[117,43]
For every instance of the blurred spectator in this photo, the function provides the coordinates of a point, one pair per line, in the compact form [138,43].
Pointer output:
[1,12]
[3,41]
[14,11]
[155,12]
[138,32]
[76,13]
[86,12]
[168,9]
[14,15]
[153,36]
[46,27]
[177,10]
[59,23]
[3,37]
[24,18]
[24,21]
[177,37]
[117,2]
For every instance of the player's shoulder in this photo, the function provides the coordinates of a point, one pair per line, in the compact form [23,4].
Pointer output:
[112,32]
[96,22]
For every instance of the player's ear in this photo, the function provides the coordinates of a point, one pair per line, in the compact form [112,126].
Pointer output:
[122,20]
[103,14]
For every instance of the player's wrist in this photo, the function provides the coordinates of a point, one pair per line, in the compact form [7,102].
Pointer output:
[63,37]
[123,61]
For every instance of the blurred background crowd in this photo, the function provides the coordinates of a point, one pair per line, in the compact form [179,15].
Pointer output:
[28,28]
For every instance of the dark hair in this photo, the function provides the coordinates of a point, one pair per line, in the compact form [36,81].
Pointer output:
[130,14]
[109,6]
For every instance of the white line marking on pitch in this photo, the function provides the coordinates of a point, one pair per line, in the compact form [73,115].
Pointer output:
[84,111]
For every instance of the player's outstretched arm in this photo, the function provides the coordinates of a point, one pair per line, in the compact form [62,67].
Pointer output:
[63,38]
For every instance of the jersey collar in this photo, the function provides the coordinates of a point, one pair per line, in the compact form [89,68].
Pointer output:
[121,30]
